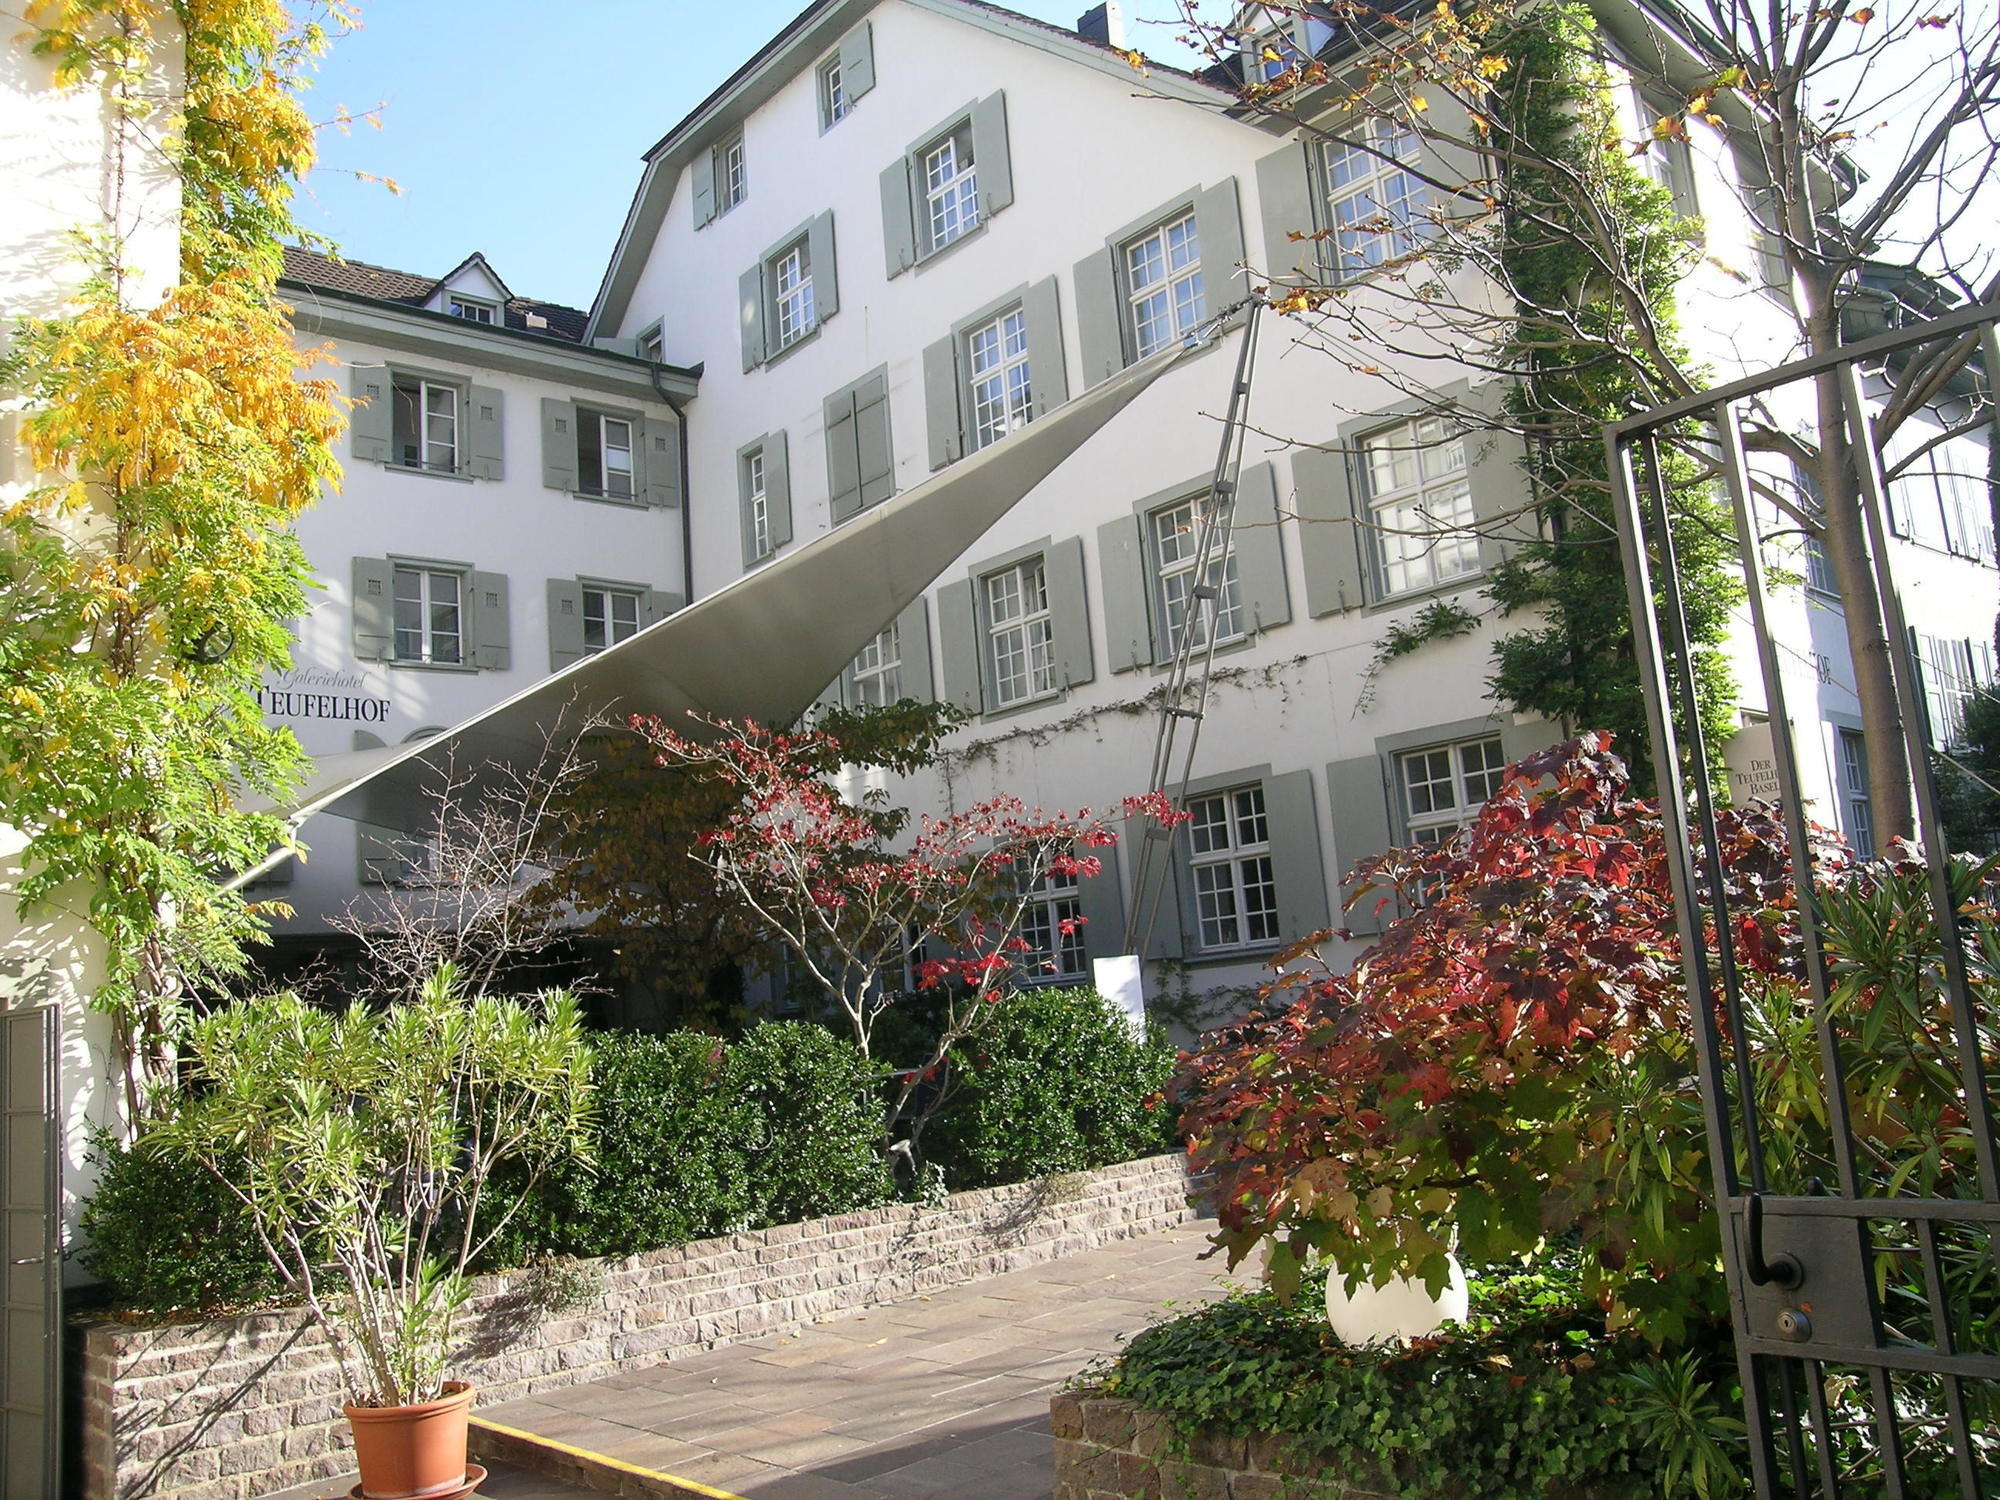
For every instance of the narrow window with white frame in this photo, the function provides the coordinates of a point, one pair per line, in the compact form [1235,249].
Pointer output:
[1176,549]
[609,616]
[792,294]
[1052,930]
[1163,284]
[424,424]
[732,184]
[1020,633]
[1854,789]
[1375,203]
[1420,505]
[951,190]
[833,101]
[1235,890]
[996,362]
[430,621]
[604,455]
[757,501]
[1445,786]
[877,674]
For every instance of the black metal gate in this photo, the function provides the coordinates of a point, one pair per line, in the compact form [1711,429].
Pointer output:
[1866,1295]
[30,1309]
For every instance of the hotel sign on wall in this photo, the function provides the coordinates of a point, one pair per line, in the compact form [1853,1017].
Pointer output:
[315,693]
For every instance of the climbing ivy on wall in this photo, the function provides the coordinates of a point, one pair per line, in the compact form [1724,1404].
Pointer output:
[1591,247]
[145,587]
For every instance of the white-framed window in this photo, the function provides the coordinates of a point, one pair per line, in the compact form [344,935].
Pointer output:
[1229,856]
[757,503]
[604,455]
[1444,786]
[1176,540]
[1163,289]
[996,363]
[609,616]
[1419,505]
[731,183]
[833,101]
[424,425]
[1020,632]
[951,190]
[1854,791]
[473,310]
[1375,203]
[1052,930]
[1819,567]
[430,615]
[877,673]
[792,294]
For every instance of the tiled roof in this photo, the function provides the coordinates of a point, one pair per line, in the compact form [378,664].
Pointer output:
[311,268]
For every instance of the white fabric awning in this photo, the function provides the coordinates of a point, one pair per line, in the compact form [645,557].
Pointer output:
[762,648]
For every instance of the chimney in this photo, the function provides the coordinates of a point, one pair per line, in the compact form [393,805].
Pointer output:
[1104,25]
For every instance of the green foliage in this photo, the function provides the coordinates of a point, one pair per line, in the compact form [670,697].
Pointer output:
[167,1237]
[1531,1397]
[1593,250]
[363,1145]
[1968,804]
[817,1102]
[1056,1083]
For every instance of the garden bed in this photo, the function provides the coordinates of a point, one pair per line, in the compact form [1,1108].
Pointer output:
[236,1408]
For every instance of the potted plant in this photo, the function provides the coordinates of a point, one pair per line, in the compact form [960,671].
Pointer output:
[364,1145]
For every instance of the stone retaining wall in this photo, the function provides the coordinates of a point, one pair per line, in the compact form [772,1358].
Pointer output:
[235,1409]
[1108,1449]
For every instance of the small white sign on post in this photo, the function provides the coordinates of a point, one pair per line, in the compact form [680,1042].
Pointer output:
[1122,981]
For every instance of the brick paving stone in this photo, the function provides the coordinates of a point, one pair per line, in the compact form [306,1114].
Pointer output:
[942,1395]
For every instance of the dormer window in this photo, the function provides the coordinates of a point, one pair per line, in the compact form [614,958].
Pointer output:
[473,310]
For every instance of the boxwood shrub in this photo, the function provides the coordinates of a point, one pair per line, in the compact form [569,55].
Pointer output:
[165,1237]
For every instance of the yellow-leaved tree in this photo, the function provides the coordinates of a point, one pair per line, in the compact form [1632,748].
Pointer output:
[145,588]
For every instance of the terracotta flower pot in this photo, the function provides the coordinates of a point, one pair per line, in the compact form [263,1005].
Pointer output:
[412,1452]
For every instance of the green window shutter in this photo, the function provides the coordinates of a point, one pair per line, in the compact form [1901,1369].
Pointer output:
[778,487]
[1159,907]
[363,740]
[1296,866]
[380,855]
[558,444]
[658,440]
[1519,740]
[1123,575]
[702,171]
[959,646]
[1502,498]
[1048,374]
[1069,615]
[1284,199]
[750,309]
[1218,224]
[899,219]
[656,604]
[825,270]
[486,457]
[486,603]
[1102,907]
[1358,792]
[374,622]
[1260,555]
[368,425]
[857,62]
[913,638]
[1330,540]
[874,453]
[843,457]
[1100,322]
[989,154]
[943,427]
[565,623]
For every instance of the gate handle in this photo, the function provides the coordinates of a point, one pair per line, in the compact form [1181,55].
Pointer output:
[1782,1269]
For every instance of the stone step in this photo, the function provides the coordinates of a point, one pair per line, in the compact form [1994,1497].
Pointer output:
[504,1481]
[496,1444]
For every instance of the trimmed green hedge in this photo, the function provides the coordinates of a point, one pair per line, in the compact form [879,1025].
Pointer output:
[166,1237]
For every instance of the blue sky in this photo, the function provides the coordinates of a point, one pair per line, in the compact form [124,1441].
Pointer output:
[516,128]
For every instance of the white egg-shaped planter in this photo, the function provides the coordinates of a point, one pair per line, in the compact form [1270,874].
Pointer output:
[1403,1309]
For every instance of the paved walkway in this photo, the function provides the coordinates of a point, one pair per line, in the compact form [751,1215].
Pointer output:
[945,1395]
